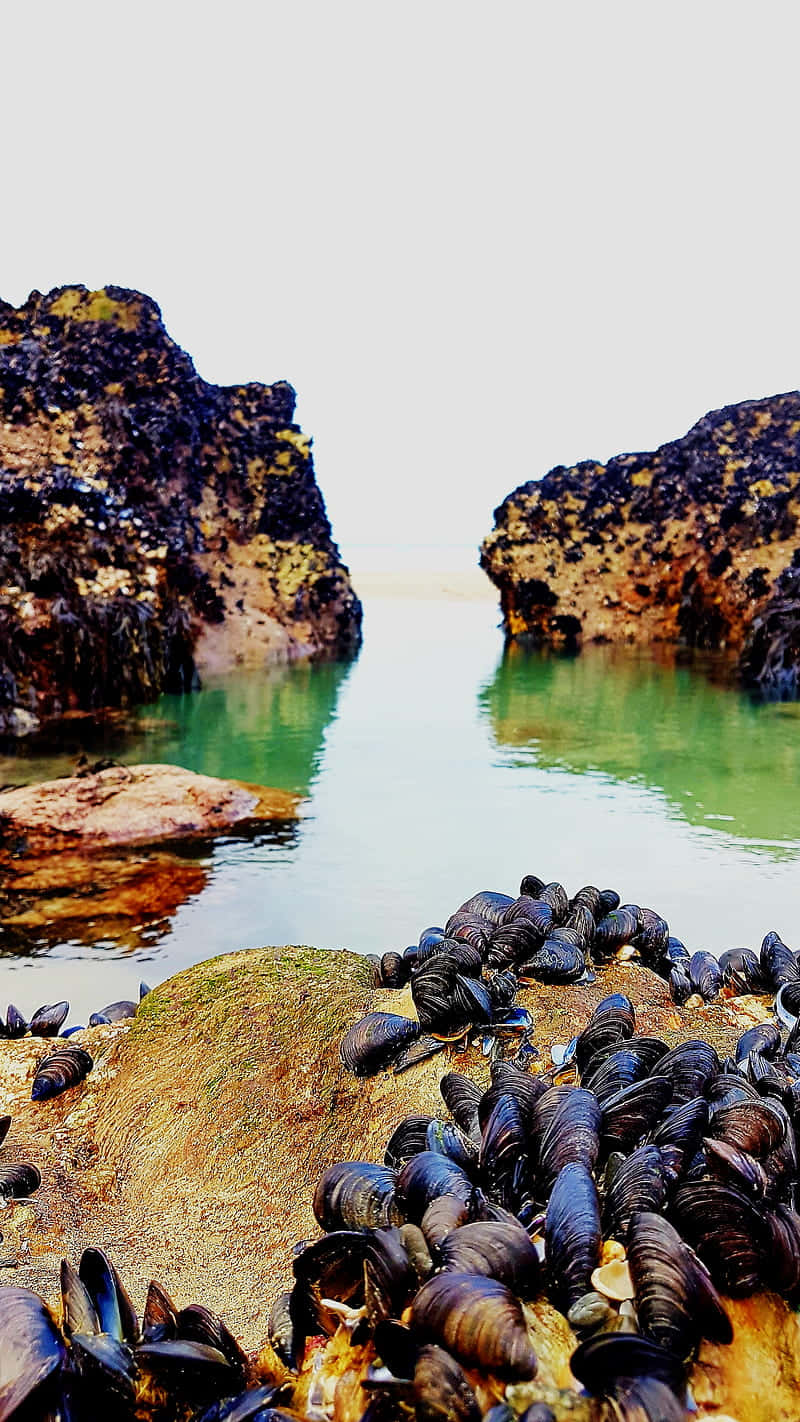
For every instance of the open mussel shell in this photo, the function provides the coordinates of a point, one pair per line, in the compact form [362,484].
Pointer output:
[331,1267]
[47,1021]
[79,1314]
[572,1235]
[63,1069]
[500,1250]
[355,1194]
[374,1042]
[478,1320]
[787,1002]
[442,1392]
[110,1298]
[676,1302]
[32,1349]
[426,1176]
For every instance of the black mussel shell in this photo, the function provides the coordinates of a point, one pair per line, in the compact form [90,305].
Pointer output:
[572,1235]
[611,1068]
[107,1366]
[770,1079]
[355,1194]
[741,972]
[512,942]
[502,989]
[641,1182]
[511,1080]
[423,1178]
[375,1040]
[777,962]
[444,1214]
[533,911]
[113,1012]
[764,1039]
[286,1338]
[728,1230]
[389,1280]
[418,1050]
[198,1371]
[653,936]
[676,1302]
[79,1314]
[447,1139]
[555,962]
[705,975]
[478,1320]
[16,1025]
[782,1265]
[680,985]
[407,1139]
[612,1022]
[503,1162]
[442,1392]
[5,1124]
[199,1325]
[160,1317]
[395,970]
[609,901]
[32,1347]
[487,904]
[47,1021]
[115,1312]
[19,1180]
[433,988]
[689,1067]
[58,1072]
[601,1361]
[466,958]
[499,1249]
[332,1267]
[618,927]
[461,1097]
[472,1001]
[676,951]
[254,1405]
[789,994]
[473,930]
[645,1399]
[729,1088]
[573,1134]
[631,1112]
[428,938]
[531,886]
[757,1127]
[556,896]
[581,922]
[683,1126]
[727,1162]
[589,898]
[417,1250]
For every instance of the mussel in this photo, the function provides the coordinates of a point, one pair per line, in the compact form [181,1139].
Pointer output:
[572,1235]
[477,1319]
[355,1194]
[374,1042]
[676,1302]
[58,1072]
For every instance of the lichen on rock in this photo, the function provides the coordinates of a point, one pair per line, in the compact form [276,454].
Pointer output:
[694,544]
[149,521]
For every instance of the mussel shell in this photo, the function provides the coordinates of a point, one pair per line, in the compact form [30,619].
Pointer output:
[555,962]
[194,1369]
[461,1097]
[32,1347]
[417,1249]
[332,1267]
[415,1051]
[777,962]
[447,1139]
[653,936]
[741,972]
[572,1235]
[48,1020]
[646,1399]
[619,926]
[79,1314]
[108,1367]
[253,1405]
[115,1311]
[589,898]
[511,1080]
[782,1265]
[502,989]
[531,886]
[736,1166]
[199,1325]
[787,1002]
[442,1392]
[487,904]
[474,931]
[676,951]
[599,1362]
[16,1025]
[499,1250]
[641,1182]
[374,1041]
[407,1139]
[683,1126]
[433,988]
[389,1279]
[355,1194]
[612,1068]
[705,974]
[395,970]
[689,1068]
[764,1039]
[477,1319]
[503,1161]
[676,1303]
[609,901]
[286,1339]
[444,1214]
[608,1026]
[728,1230]
[423,1178]
[58,1072]
[573,1134]
[680,985]
[627,1115]
[428,938]
[160,1317]
[512,942]
[757,1127]
[112,1012]
[19,1180]
[556,896]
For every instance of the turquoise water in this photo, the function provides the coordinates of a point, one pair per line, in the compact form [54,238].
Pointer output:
[435,765]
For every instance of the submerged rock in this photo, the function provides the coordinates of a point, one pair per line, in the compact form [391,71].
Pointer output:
[695,543]
[151,524]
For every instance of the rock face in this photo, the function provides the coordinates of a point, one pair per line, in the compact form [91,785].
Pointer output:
[696,543]
[192,1150]
[150,523]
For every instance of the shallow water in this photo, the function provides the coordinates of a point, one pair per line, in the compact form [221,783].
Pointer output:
[436,765]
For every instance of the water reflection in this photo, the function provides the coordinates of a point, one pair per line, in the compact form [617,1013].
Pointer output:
[720,760]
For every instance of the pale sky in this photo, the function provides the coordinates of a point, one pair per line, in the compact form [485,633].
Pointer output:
[478,240]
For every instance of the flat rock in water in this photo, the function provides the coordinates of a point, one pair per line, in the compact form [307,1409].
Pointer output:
[192,1151]
[140,804]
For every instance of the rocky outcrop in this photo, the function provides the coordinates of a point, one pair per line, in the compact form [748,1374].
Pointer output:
[696,543]
[192,1151]
[150,523]
[80,852]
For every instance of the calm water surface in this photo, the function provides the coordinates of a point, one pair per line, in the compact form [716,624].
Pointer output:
[435,765]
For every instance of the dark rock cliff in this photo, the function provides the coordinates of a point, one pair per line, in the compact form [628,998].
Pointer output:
[150,523]
[696,543]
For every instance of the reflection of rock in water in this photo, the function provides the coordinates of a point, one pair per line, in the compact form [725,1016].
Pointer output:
[708,749]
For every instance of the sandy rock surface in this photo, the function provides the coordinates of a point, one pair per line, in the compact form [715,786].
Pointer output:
[192,1150]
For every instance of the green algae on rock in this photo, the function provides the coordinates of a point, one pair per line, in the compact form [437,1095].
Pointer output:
[151,524]
[695,543]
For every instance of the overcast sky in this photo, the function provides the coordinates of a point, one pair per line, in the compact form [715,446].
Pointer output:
[480,240]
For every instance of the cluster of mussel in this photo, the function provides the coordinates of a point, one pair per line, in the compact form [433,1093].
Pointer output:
[98,1361]
[48,1020]
[627,1195]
